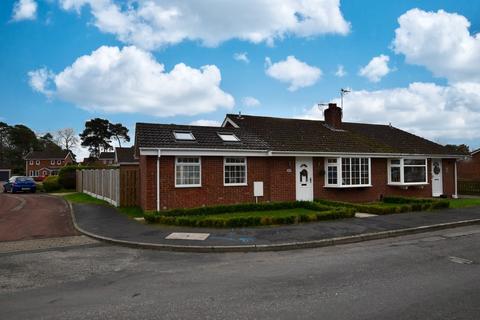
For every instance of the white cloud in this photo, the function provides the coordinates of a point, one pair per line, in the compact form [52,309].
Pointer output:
[151,24]
[294,72]
[340,71]
[205,123]
[437,112]
[376,69]
[250,102]
[241,56]
[39,80]
[131,80]
[441,42]
[24,10]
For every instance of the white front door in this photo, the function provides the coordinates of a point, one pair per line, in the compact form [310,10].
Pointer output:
[437,181]
[304,178]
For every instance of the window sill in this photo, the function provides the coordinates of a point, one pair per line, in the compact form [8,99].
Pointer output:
[235,185]
[415,184]
[188,186]
[348,187]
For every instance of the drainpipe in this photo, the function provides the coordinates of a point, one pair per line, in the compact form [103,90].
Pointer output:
[455,196]
[158,180]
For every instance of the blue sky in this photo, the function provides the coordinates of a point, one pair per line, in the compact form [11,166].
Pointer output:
[420,64]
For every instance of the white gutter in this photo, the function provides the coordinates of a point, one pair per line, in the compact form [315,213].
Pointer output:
[455,196]
[158,180]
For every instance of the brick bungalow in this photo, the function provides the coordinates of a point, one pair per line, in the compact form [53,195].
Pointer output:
[40,164]
[469,168]
[251,158]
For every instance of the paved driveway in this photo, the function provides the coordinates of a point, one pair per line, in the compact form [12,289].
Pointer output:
[33,216]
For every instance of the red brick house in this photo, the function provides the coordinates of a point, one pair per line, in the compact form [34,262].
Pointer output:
[106,158]
[469,168]
[251,158]
[40,164]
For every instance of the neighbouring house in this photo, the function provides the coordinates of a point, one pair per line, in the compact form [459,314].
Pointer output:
[106,158]
[125,157]
[252,158]
[469,168]
[40,164]
[5,174]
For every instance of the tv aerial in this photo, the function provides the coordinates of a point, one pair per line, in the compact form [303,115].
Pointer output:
[343,92]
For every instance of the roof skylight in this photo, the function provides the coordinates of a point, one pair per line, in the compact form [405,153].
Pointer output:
[228,137]
[184,135]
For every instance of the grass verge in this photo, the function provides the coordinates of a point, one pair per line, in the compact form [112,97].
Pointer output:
[464,202]
[78,197]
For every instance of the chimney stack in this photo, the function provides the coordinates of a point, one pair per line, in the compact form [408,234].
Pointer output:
[333,116]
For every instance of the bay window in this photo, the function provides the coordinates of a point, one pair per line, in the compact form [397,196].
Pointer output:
[235,171]
[407,171]
[187,172]
[347,172]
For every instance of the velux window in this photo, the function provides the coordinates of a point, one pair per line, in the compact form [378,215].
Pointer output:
[407,171]
[184,135]
[228,137]
[347,172]
[187,172]
[235,171]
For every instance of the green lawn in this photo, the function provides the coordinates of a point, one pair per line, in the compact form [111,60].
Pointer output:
[132,212]
[463,203]
[272,213]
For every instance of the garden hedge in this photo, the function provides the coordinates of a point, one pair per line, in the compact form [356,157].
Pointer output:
[236,222]
[50,184]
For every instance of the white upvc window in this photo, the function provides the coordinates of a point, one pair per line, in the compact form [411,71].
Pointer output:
[347,172]
[37,162]
[235,171]
[32,173]
[52,162]
[407,171]
[59,161]
[188,172]
[31,162]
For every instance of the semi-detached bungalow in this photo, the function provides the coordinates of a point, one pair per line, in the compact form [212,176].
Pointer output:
[251,158]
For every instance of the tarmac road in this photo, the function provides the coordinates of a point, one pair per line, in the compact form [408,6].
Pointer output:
[433,275]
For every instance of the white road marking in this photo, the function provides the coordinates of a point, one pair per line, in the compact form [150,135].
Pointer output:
[187,236]
[460,260]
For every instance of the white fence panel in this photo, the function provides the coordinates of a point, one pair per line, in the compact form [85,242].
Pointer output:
[102,184]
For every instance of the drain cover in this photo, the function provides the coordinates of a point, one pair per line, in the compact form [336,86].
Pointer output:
[460,260]
[187,236]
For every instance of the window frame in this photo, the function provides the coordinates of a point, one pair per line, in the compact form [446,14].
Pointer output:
[402,166]
[233,164]
[339,168]
[59,162]
[199,164]
[37,162]
[52,162]
[31,162]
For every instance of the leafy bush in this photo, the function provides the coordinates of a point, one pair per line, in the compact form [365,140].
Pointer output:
[50,184]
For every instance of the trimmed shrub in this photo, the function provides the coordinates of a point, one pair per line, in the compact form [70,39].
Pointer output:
[50,184]
[67,177]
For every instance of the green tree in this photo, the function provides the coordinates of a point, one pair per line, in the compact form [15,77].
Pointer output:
[96,136]
[119,132]
[463,148]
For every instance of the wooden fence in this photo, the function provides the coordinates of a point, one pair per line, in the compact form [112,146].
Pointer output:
[103,184]
[120,187]
[467,187]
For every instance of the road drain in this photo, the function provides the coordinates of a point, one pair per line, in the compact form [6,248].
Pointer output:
[460,260]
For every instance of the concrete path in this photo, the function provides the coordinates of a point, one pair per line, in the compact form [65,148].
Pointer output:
[106,222]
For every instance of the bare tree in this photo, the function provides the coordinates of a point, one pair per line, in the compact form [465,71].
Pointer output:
[67,138]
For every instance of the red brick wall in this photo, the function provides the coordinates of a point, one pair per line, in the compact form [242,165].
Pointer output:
[278,176]
[469,169]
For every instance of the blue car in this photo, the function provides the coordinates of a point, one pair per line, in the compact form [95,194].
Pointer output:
[20,184]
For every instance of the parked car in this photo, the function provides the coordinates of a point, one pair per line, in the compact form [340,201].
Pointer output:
[20,184]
